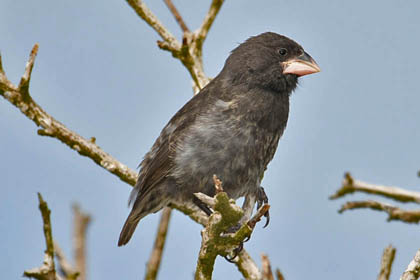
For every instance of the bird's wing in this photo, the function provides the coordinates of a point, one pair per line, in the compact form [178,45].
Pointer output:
[158,162]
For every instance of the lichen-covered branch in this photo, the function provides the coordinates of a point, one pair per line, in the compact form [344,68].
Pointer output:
[215,240]
[47,270]
[413,270]
[386,263]
[80,224]
[157,251]
[350,185]
[394,213]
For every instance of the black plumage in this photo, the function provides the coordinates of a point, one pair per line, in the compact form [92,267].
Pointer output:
[231,129]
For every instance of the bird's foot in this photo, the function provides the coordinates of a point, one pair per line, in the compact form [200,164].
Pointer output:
[235,252]
[261,200]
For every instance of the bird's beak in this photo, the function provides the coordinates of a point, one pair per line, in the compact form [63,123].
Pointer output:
[301,65]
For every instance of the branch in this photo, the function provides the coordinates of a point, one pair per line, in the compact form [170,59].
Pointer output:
[208,21]
[394,213]
[267,273]
[177,15]
[81,222]
[66,268]
[350,186]
[47,270]
[216,242]
[279,275]
[413,270]
[147,15]
[156,256]
[386,263]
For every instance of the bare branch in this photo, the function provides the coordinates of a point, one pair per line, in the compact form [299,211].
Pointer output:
[177,15]
[156,256]
[394,213]
[350,186]
[413,270]
[81,223]
[279,275]
[208,21]
[386,263]
[24,81]
[257,216]
[47,270]
[66,268]
[267,273]
[147,15]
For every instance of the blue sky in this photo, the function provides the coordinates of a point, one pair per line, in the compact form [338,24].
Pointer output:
[100,73]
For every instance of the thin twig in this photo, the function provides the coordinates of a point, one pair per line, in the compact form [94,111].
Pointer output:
[267,273]
[81,223]
[208,20]
[413,270]
[147,15]
[66,268]
[47,270]
[177,15]
[386,263]
[394,213]
[279,275]
[350,186]
[156,255]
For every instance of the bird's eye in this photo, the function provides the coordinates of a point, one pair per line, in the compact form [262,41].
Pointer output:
[282,51]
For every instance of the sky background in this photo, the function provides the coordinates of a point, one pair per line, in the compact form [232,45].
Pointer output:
[100,73]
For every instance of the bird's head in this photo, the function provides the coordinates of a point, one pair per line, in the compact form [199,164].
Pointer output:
[270,61]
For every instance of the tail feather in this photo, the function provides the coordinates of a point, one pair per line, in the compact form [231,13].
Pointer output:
[128,230]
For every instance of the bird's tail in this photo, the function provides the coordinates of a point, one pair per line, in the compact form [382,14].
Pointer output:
[128,230]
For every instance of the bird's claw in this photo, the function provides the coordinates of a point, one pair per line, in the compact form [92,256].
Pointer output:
[235,252]
[263,199]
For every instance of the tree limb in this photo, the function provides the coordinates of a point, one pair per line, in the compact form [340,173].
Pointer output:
[215,241]
[394,213]
[413,270]
[350,186]
[47,270]
[386,263]
[156,255]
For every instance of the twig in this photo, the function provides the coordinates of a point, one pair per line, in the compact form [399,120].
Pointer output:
[47,270]
[147,15]
[386,263]
[66,268]
[267,273]
[156,256]
[81,223]
[279,275]
[208,21]
[413,270]
[350,186]
[177,15]
[394,213]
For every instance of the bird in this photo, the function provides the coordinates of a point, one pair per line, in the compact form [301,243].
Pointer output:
[231,128]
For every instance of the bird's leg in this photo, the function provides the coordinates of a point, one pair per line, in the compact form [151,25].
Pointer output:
[263,199]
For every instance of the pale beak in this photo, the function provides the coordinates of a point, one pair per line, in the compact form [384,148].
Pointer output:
[301,65]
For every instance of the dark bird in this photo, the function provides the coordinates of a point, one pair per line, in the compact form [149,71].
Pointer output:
[231,129]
